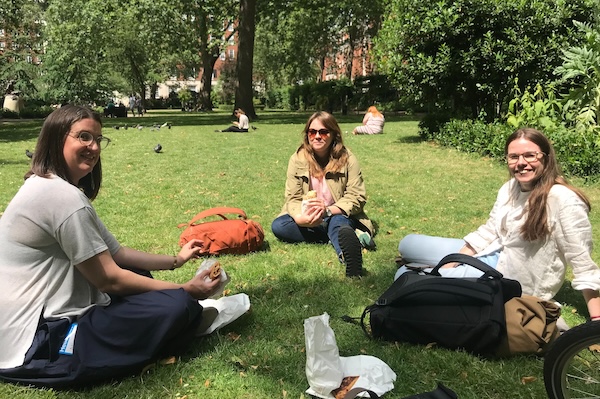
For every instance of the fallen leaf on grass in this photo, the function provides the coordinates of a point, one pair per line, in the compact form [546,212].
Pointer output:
[233,336]
[206,383]
[528,380]
[168,360]
[595,348]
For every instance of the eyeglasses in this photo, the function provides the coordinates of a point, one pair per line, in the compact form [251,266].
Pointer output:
[312,133]
[86,139]
[531,156]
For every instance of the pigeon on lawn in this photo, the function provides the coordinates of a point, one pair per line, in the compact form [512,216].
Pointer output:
[158,148]
[29,154]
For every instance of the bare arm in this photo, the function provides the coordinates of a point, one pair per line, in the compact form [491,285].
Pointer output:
[102,272]
[128,257]
[592,298]
[467,249]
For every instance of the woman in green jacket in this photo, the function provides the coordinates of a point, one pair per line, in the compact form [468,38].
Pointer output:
[325,168]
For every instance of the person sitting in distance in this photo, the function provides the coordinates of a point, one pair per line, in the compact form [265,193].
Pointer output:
[242,125]
[372,123]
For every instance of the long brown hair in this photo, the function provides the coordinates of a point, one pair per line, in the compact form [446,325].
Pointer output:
[48,156]
[338,155]
[536,225]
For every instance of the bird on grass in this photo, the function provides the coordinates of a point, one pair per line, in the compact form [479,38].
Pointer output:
[29,154]
[158,148]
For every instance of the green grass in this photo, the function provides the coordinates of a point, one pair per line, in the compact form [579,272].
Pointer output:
[412,186]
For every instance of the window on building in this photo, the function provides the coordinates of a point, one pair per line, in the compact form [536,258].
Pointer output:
[222,57]
[230,27]
[231,53]
[231,40]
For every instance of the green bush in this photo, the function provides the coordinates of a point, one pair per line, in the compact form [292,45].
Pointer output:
[36,111]
[577,151]
[8,114]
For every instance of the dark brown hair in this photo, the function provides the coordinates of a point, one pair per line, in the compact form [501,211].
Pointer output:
[48,156]
[338,155]
[536,225]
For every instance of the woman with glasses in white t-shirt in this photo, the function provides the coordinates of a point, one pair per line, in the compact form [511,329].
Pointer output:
[76,306]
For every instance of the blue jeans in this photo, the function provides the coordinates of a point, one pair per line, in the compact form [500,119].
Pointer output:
[429,250]
[286,230]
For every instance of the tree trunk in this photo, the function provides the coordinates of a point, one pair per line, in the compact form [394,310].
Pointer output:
[246,29]
[208,63]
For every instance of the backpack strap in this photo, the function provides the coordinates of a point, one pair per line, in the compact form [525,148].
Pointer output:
[362,320]
[218,211]
[489,272]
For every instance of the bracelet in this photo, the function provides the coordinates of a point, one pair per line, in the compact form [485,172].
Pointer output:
[594,317]
[174,263]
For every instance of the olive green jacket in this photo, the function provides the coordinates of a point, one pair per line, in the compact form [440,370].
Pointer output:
[347,189]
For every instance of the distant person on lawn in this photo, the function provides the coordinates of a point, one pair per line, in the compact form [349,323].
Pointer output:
[76,306]
[372,123]
[242,125]
[323,164]
[538,225]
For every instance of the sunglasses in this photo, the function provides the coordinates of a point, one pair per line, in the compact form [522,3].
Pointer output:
[312,133]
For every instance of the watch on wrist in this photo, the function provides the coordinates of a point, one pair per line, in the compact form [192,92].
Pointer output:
[328,212]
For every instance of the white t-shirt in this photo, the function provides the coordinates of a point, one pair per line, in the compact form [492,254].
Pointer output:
[49,227]
[243,123]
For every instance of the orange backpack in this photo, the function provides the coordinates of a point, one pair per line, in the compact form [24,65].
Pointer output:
[224,236]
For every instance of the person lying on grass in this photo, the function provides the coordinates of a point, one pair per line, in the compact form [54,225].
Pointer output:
[76,306]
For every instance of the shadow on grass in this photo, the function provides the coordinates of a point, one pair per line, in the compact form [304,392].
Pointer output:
[19,130]
[568,296]
[409,140]
[26,129]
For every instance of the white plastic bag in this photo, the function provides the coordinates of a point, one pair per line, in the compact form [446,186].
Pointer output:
[323,365]
[230,308]
[325,369]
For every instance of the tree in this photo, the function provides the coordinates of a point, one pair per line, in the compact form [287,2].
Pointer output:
[21,21]
[78,33]
[295,39]
[244,93]
[202,27]
[462,57]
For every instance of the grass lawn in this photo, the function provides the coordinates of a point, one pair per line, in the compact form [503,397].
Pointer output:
[412,187]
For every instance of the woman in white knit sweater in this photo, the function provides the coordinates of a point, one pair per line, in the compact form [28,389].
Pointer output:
[538,225]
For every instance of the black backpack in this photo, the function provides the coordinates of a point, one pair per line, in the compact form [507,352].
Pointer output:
[425,308]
